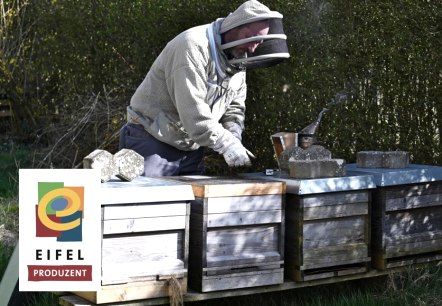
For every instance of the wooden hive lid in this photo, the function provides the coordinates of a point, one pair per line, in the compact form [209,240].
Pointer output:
[211,187]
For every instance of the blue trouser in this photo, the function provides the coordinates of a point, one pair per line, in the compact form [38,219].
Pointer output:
[160,159]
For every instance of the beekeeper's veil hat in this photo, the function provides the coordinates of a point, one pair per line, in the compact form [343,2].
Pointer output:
[273,47]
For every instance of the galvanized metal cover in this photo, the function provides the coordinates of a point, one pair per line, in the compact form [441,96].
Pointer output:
[319,185]
[389,177]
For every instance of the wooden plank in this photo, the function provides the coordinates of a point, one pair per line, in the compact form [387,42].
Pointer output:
[242,259]
[212,187]
[244,203]
[197,241]
[329,272]
[382,262]
[378,226]
[141,255]
[144,210]
[242,244]
[144,225]
[350,271]
[154,275]
[331,263]
[335,198]
[335,211]
[131,291]
[413,221]
[412,190]
[149,273]
[400,262]
[73,300]
[242,280]
[143,190]
[243,268]
[414,202]
[294,233]
[414,248]
[329,232]
[335,256]
[391,241]
[242,189]
[244,218]
[186,237]
[301,276]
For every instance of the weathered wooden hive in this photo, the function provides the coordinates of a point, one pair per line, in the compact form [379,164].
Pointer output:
[236,233]
[145,232]
[327,226]
[406,214]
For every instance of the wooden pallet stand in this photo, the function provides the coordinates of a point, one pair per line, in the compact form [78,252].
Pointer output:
[145,233]
[406,215]
[236,233]
[193,296]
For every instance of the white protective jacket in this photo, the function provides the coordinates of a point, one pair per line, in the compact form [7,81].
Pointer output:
[191,94]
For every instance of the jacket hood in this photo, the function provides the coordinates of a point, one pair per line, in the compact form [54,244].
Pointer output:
[249,11]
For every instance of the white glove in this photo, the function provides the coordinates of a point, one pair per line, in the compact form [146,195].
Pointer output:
[234,153]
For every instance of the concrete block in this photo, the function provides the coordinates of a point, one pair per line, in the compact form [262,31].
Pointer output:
[129,164]
[103,160]
[382,159]
[304,169]
[314,152]
[369,159]
[396,159]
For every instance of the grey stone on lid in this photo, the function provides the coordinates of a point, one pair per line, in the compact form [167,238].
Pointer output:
[382,159]
[395,159]
[314,152]
[103,160]
[306,169]
[129,164]
[369,159]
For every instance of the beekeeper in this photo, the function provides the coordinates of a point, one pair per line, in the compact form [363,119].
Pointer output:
[194,94]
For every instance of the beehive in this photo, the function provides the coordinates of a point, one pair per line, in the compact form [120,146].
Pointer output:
[327,231]
[145,232]
[236,233]
[407,215]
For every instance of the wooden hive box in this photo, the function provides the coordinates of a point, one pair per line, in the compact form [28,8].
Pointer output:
[236,233]
[407,215]
[145,232]
[327,230]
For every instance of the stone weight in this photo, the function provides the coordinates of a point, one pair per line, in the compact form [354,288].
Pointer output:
[126,164]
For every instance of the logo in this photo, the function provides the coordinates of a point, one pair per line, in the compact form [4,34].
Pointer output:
[60,230]
[59,211]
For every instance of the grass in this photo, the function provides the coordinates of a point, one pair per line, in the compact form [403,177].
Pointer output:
[12,158]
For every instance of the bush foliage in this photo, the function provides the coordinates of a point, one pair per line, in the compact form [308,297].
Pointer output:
[69,69]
